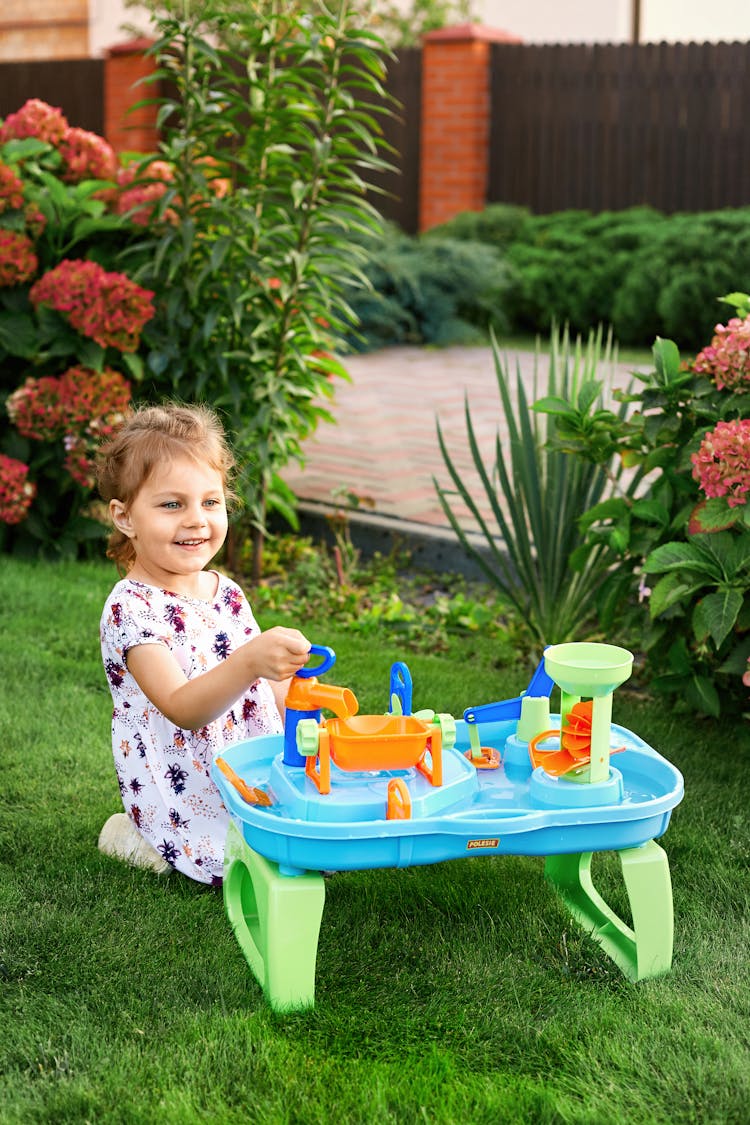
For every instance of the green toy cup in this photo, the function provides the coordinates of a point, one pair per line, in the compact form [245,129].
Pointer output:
[588,668]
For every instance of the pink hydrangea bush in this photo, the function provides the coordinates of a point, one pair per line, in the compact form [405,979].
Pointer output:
[722,464]
[107,307]
[16,491]
[726,360]
[18,262]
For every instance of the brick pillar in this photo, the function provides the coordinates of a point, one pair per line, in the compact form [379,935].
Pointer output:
[124,65]
[455,120]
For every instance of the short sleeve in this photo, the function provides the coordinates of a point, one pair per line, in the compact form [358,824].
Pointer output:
[129,621]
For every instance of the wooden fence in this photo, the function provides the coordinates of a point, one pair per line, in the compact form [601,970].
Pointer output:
[76,86]
[611,126]
[597,127]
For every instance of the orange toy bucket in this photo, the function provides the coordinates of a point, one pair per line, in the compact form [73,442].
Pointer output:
[377,742]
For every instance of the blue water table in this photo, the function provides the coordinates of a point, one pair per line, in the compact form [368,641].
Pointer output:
[353,791]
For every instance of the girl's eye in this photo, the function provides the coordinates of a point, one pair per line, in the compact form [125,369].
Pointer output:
[171,504]
[213,503]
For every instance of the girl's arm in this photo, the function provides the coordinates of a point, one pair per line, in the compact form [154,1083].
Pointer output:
[191,704]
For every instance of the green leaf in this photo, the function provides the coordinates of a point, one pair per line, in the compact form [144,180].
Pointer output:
[716,614]
[671,590]
[680,556]
[651,511]
[666,360]
[714,514]
[18,334]
[551,404]
[134,364]
[702,694]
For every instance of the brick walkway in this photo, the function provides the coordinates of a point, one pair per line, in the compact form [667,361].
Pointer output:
[385,444]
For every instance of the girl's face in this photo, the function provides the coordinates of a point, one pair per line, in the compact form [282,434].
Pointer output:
[177,522]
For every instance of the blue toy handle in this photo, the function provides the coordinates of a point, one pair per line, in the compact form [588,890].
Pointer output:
[401,687]
[328,661]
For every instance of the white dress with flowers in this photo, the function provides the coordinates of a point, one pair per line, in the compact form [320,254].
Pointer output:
[163,771]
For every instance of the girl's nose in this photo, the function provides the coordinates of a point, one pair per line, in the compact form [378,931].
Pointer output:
[195,515]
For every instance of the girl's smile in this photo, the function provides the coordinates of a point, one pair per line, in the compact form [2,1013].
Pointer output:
[177,522]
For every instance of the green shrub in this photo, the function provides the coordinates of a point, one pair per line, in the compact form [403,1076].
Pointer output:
[429,291]
[670,286]
[497,225]
[570,265]
[643,272]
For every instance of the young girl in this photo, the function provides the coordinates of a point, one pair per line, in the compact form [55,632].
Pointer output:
[189,670]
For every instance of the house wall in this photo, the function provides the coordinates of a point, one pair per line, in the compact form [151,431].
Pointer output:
[48,29]
[594,21]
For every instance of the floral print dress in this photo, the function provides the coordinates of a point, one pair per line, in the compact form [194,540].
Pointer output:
[162,770]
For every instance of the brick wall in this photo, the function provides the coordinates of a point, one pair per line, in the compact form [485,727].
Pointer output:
[455,120]
[134,131]
[48,29]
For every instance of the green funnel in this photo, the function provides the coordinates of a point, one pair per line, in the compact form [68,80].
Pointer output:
[587,668]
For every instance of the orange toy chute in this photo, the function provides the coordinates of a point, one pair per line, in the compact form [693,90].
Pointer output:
[249,793]
[575,743]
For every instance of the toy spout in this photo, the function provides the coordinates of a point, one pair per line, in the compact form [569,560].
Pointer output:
[304,700]
[309,694]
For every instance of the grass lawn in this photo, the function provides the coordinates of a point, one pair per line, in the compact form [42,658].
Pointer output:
[455,993]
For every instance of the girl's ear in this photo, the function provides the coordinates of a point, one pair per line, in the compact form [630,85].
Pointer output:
[120,518]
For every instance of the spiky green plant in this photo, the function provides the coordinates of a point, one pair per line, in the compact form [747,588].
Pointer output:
[533,547]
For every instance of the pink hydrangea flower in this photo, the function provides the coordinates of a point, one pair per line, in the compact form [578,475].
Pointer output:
[722,464]
[726,360]
[16,492]
[80,406]
[18,262]
[11,189]
[34,119]
[86,156]
[106,307]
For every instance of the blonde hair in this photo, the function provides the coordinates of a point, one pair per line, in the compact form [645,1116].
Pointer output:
[150,436]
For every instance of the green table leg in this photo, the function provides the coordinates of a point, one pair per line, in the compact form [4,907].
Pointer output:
[276,920]
[645,950]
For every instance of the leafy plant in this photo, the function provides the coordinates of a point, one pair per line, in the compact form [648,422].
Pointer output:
[269,101]
[684,514]
[536,495]
[428,290]
[423,610]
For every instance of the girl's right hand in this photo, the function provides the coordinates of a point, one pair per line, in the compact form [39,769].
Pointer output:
[279,653]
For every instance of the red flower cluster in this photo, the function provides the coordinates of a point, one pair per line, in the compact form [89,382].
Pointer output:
[80,406]
[18,262]
[16,492]
[726,359]
[11,189]
[722,464]
[107,307]
[34,119]
[86,156]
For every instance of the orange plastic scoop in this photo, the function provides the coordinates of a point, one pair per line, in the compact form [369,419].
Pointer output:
[249,793]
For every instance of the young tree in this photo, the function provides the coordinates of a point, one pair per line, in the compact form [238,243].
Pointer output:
[270,123]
